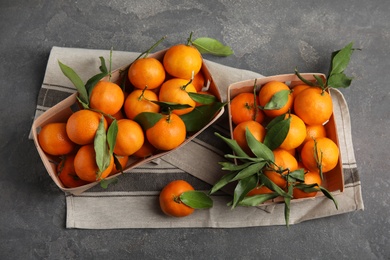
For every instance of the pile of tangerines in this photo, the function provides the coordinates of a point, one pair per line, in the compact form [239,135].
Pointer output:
[153,83]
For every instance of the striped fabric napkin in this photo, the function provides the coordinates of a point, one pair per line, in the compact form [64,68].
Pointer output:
[133,201]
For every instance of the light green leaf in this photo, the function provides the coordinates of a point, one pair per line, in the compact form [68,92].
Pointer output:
[341,59]
[103,157]
[278,100]
[196,199]
[256,200]
[105,182]
[212,46]
[243,187]
[339,80]
[77,82]
[259,149]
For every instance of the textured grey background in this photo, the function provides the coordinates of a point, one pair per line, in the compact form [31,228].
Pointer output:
[270,37]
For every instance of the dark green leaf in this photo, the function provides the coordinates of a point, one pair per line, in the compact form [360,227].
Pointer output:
[103,157]
[222,182]
[166,107]
[298,175]
[319,80]
[244,158]
[196,199]
[212,46]
[277,133]
[105,182]
[96,78]
[201,116]
[117,163]
[228,166]
[341,59]
[111,135]
[249,171]
[148,119]
[205,99]
[274,121]
[307,82]
[259,149]
[103,67]
[233,145]
[287,201]
[339,80]
[256,200]
[243,187]
[329,196]
[307,187]
[77,82]
[271,185]
[278,100]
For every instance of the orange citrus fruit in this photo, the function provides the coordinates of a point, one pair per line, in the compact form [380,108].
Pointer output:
[82,125]
[310,178]
[321,152]
[182,61]
[315,131]
[239,133]
[54,140]
[314,106]
[168,133]
[296,133]
[243,107]
[198,81]
[122,161]
[261,189]
[129,139]
[107,97]
[170,202]
[139,101]
[176,91]
[146,72]
[298,89]
[284,162]
[86,167]
[67,174]
[146,150]
[268,91]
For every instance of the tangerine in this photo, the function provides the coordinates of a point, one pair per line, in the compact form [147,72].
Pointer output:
[239,134]
[170,202]
[107,97]
[266,93]
[122,161]
[260,189]
[54,140]
[310,178]
[139,101]
[243,107]
[296,133]
[146,72]
[182,61]
[129,139]
[198,81]
[67,174]
[283,163]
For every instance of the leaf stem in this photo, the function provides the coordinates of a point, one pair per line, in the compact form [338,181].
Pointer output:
[189,40]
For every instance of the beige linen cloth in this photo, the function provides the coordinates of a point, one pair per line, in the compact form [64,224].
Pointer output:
[133,201]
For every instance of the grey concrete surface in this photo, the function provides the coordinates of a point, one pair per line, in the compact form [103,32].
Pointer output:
[270,37]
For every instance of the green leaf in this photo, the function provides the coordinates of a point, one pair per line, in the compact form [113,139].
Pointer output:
[249,171]
[111,135]
[205,99]
[103,157]
[339,80]
[271,185]
[287,200]
[259,149]
[196,199]
[166,107]
[319,80]
[95,79]
[329,196]
[103,67]
[233,145]
[277,133]
[274,121]
[228,166]
[278,100]
[307,82]
[242,188]
[212,46]
[256,200]
[222,182]
[307,187]
[105,182]
[77,82]
[298,175]
[118,164]
[148,119]
[341,59]
[201,116]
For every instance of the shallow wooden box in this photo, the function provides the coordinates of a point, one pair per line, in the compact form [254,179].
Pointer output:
[333,180]
[62,111]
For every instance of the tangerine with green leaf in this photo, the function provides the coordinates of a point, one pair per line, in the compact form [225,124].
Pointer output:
[170,202]
[279,95]
[139,101]
[244,107]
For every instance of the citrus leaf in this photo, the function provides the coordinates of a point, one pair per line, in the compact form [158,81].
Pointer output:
[77,82]
[243,187]
[249,171]
[339,80]
[95,79]
[205,99]
[118,164]
[278,100]
[104,183]
[277,133]
[233,145]
[307,187]
[207,45]
[271,185]
[103,157]
[274,121]
[196,199]
[307,82]
[329,196]
[222,182]
[297,175]
[228,166]
[259,149]
[201,116]
[256,200]
[166,107]
[287,201]
[341,59]
[103,67]
[111,135]
[147,119]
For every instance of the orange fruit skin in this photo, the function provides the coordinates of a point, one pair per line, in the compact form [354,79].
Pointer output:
[239,134]
[146,72]
[171,91]
[67,174]
[298,89]
[170,202]
[243,108]
[85,164]
[139,101]
[82,125]
[310,178]
[330,154]
[283,160]
[313,106]
[182,61]
[198,81]
[54,140]
[168,133]
[123,162]
[259,190]
[296,134]
[107,97]
[267,91]
[129,139]
[315,131]
[146,150]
